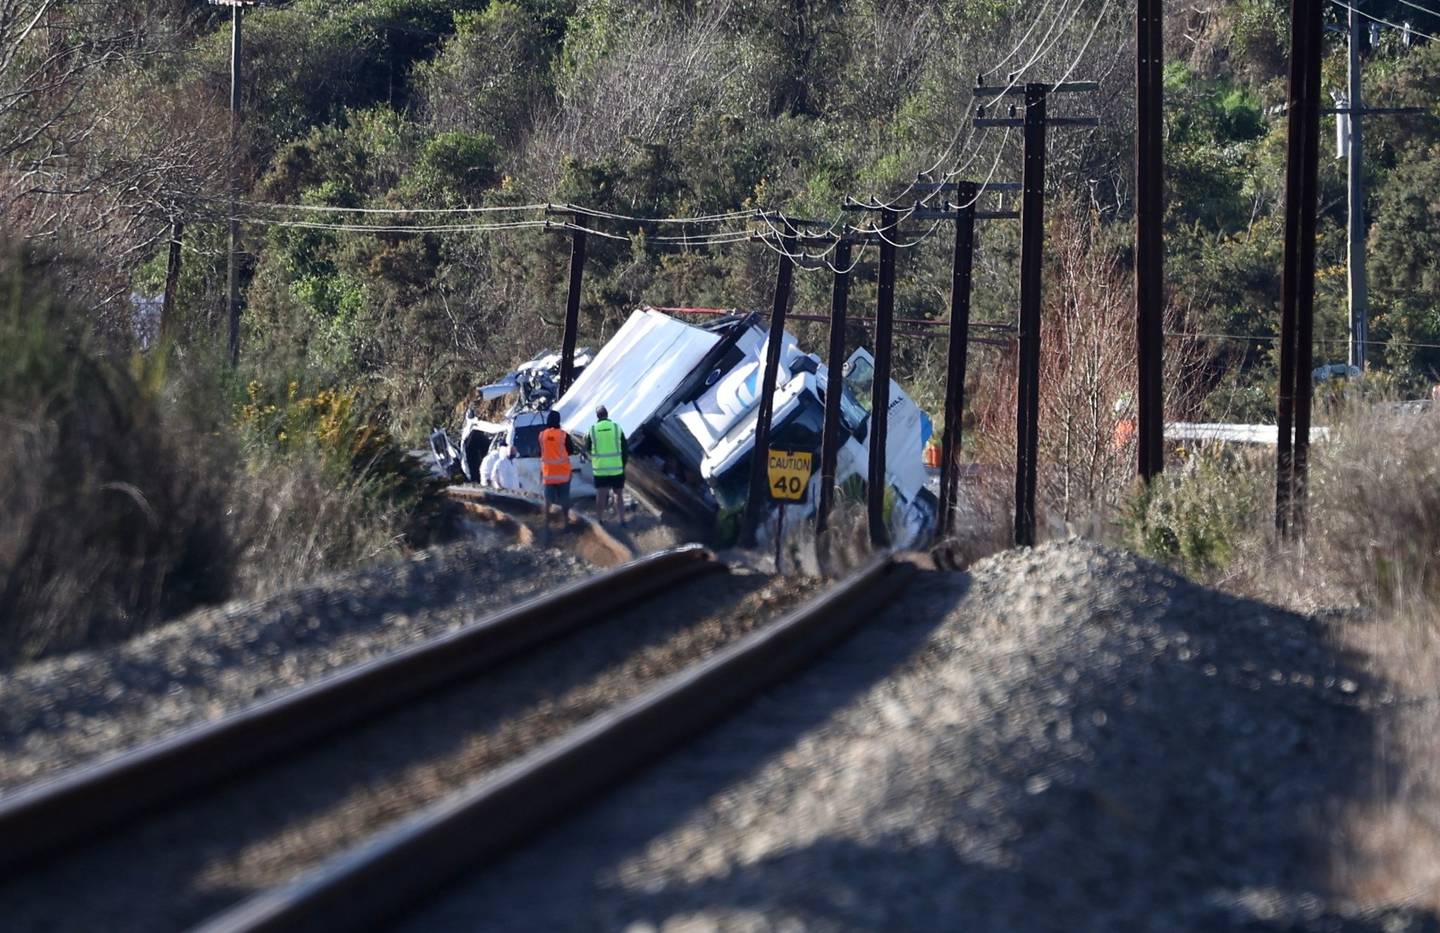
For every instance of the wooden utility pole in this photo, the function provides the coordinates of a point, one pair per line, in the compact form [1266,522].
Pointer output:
[958,346]
[880,385]
[1355,198]
[1032,245]
[572,309]
[1149,236]
[570,335]
[834,430]
[172,280]
[1352,141]
[232,269]
[1297,290]
[758,495]
[964,213]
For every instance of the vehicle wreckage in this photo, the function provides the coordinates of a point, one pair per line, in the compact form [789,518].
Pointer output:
[687,397]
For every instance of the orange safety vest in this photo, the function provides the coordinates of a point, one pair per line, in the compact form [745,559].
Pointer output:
[554,459]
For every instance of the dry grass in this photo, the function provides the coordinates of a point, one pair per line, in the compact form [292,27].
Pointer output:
[129,495]
[1387,848]
[293,520]
[112,516]
[1376,543]
[1372,550]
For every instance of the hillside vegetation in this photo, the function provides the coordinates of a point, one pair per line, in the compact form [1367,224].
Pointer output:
[114,127]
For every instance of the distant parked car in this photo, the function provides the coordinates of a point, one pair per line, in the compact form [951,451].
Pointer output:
[1335,371]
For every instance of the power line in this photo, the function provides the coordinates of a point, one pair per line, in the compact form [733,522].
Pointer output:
[806,260]
[1333,341]
[632,218]
[1421,9]
[1047,42]
[1386,22]
[334,209]
[385,228]
[1013,80]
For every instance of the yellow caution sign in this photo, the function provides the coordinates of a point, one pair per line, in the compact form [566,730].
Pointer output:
[789,472]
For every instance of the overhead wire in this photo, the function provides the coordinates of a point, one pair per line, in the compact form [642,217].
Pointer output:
[334,209]
[632,218]
[1056,30]
[1385,22]
[580,210]
[1047,42]
[1422,9]
[1334,341]
[385,228]
[1074,63]
[803,258]
[1051,37]
[717,238]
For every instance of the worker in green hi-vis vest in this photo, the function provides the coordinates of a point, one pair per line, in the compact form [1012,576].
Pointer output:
[608,454]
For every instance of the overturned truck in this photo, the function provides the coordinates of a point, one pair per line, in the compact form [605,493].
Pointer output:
[688,398]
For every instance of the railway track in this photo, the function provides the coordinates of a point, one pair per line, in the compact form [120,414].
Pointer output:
[47,819]
[66,834]
[381,878]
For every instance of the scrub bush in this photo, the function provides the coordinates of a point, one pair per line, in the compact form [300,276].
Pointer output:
[131,494]
[1200,516]
[114,514]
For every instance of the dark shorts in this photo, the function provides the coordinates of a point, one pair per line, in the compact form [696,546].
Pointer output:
[610,482]
[557,494]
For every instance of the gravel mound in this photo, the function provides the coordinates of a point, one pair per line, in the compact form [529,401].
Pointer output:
[1065,738]
[64,711]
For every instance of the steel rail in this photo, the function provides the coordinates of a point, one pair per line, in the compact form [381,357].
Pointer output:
[379,879]
[79,805]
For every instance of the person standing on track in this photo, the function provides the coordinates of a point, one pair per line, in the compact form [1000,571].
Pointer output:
[555,451]
[608,455]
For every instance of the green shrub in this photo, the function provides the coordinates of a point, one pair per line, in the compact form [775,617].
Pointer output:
[132,494]
[335,434]
[1197,517]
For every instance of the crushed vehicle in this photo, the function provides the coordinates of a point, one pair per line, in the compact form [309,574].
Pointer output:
[687,397]
[533,386]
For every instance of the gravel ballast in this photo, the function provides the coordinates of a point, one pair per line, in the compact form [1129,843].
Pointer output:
[65,711]
[1066,738]
[194,860]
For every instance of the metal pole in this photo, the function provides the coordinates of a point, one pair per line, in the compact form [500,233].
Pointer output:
[572,309]
[834,385]
[1032,243]
[1305,308]
[759,489]
[965,194]
[1355,152]
[1149,242]
[232,270]
[172,280]
[880,388]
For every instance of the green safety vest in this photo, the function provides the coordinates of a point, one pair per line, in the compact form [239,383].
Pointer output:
[605,456]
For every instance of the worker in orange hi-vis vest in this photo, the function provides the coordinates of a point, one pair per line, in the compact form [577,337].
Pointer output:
[555,451]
